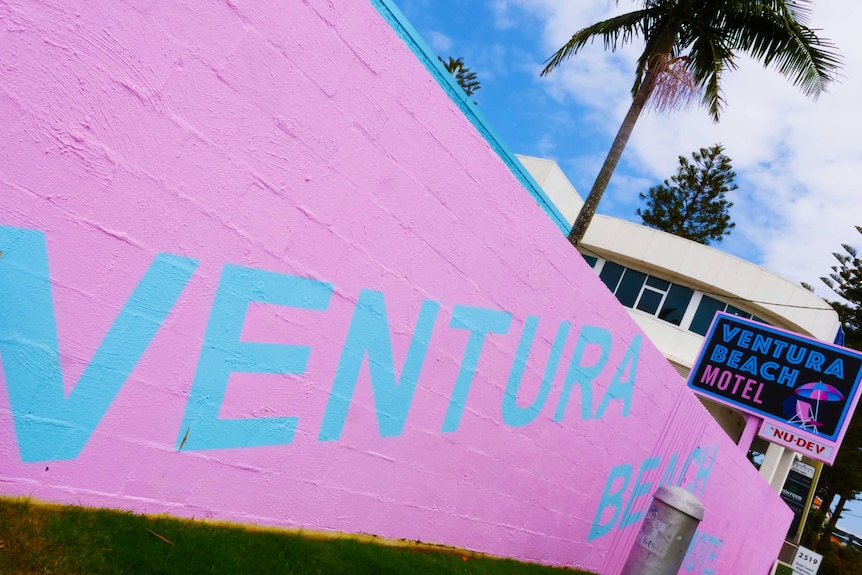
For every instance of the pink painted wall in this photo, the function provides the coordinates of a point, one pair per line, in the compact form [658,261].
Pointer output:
[179,186]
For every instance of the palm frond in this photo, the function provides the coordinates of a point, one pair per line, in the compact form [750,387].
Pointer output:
[710,57]
[706,36]
[614,32]
[776,39]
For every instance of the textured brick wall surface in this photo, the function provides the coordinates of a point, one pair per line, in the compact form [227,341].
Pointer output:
[258,266]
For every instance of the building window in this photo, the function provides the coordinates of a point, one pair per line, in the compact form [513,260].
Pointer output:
[666,300]
[705,312]
[611,274]
[739,312]
[708,308]
[652,295]
[630,287]
[675,304]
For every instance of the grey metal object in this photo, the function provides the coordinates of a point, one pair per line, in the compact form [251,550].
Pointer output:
[667,530]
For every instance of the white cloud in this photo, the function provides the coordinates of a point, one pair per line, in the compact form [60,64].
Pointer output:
[546,146]
[797,160]
[493,60]
[439,42]
[504,15]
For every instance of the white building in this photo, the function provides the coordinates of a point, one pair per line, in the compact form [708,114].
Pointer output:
[673,287]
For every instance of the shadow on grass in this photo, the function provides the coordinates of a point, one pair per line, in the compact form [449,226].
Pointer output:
[37,538]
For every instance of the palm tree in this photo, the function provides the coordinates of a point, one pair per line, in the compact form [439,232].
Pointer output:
[689,44]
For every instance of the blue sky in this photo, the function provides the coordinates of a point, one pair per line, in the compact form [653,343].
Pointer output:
[797,160]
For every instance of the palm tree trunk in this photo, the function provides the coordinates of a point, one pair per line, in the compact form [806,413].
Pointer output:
[657,62]
[588,210]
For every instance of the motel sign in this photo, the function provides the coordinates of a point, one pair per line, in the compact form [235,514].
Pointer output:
[805,390]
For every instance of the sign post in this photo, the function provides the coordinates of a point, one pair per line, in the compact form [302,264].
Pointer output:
[796,493]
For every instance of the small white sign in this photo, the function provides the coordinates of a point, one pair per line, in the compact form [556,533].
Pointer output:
[654,538]
[807,562]
[803,469]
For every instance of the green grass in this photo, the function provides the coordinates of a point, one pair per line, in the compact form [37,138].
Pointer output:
[44,539]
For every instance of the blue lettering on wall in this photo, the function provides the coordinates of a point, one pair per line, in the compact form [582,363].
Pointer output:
[702,554]
[513,414]
[49,425]
[703,471]
[223,353]
[619,389]
[613,496]
[369,333]
[641,488]
[582,374]
[480,322]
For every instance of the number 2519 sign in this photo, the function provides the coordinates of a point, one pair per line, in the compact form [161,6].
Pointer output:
[807,562]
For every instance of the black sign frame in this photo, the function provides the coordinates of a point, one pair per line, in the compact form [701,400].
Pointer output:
[802,384]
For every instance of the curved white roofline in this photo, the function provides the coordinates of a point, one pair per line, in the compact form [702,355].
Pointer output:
[736,281]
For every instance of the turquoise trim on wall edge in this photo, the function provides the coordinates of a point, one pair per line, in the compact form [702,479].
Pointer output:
[405,30]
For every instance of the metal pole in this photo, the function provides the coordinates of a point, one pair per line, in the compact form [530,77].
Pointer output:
[666,533]
[752,426]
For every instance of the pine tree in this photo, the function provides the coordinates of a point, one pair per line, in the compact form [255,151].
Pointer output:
[844,478]
[693,204]
[846,281]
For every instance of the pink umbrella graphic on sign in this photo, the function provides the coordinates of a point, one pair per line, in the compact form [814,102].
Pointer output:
[818,391]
